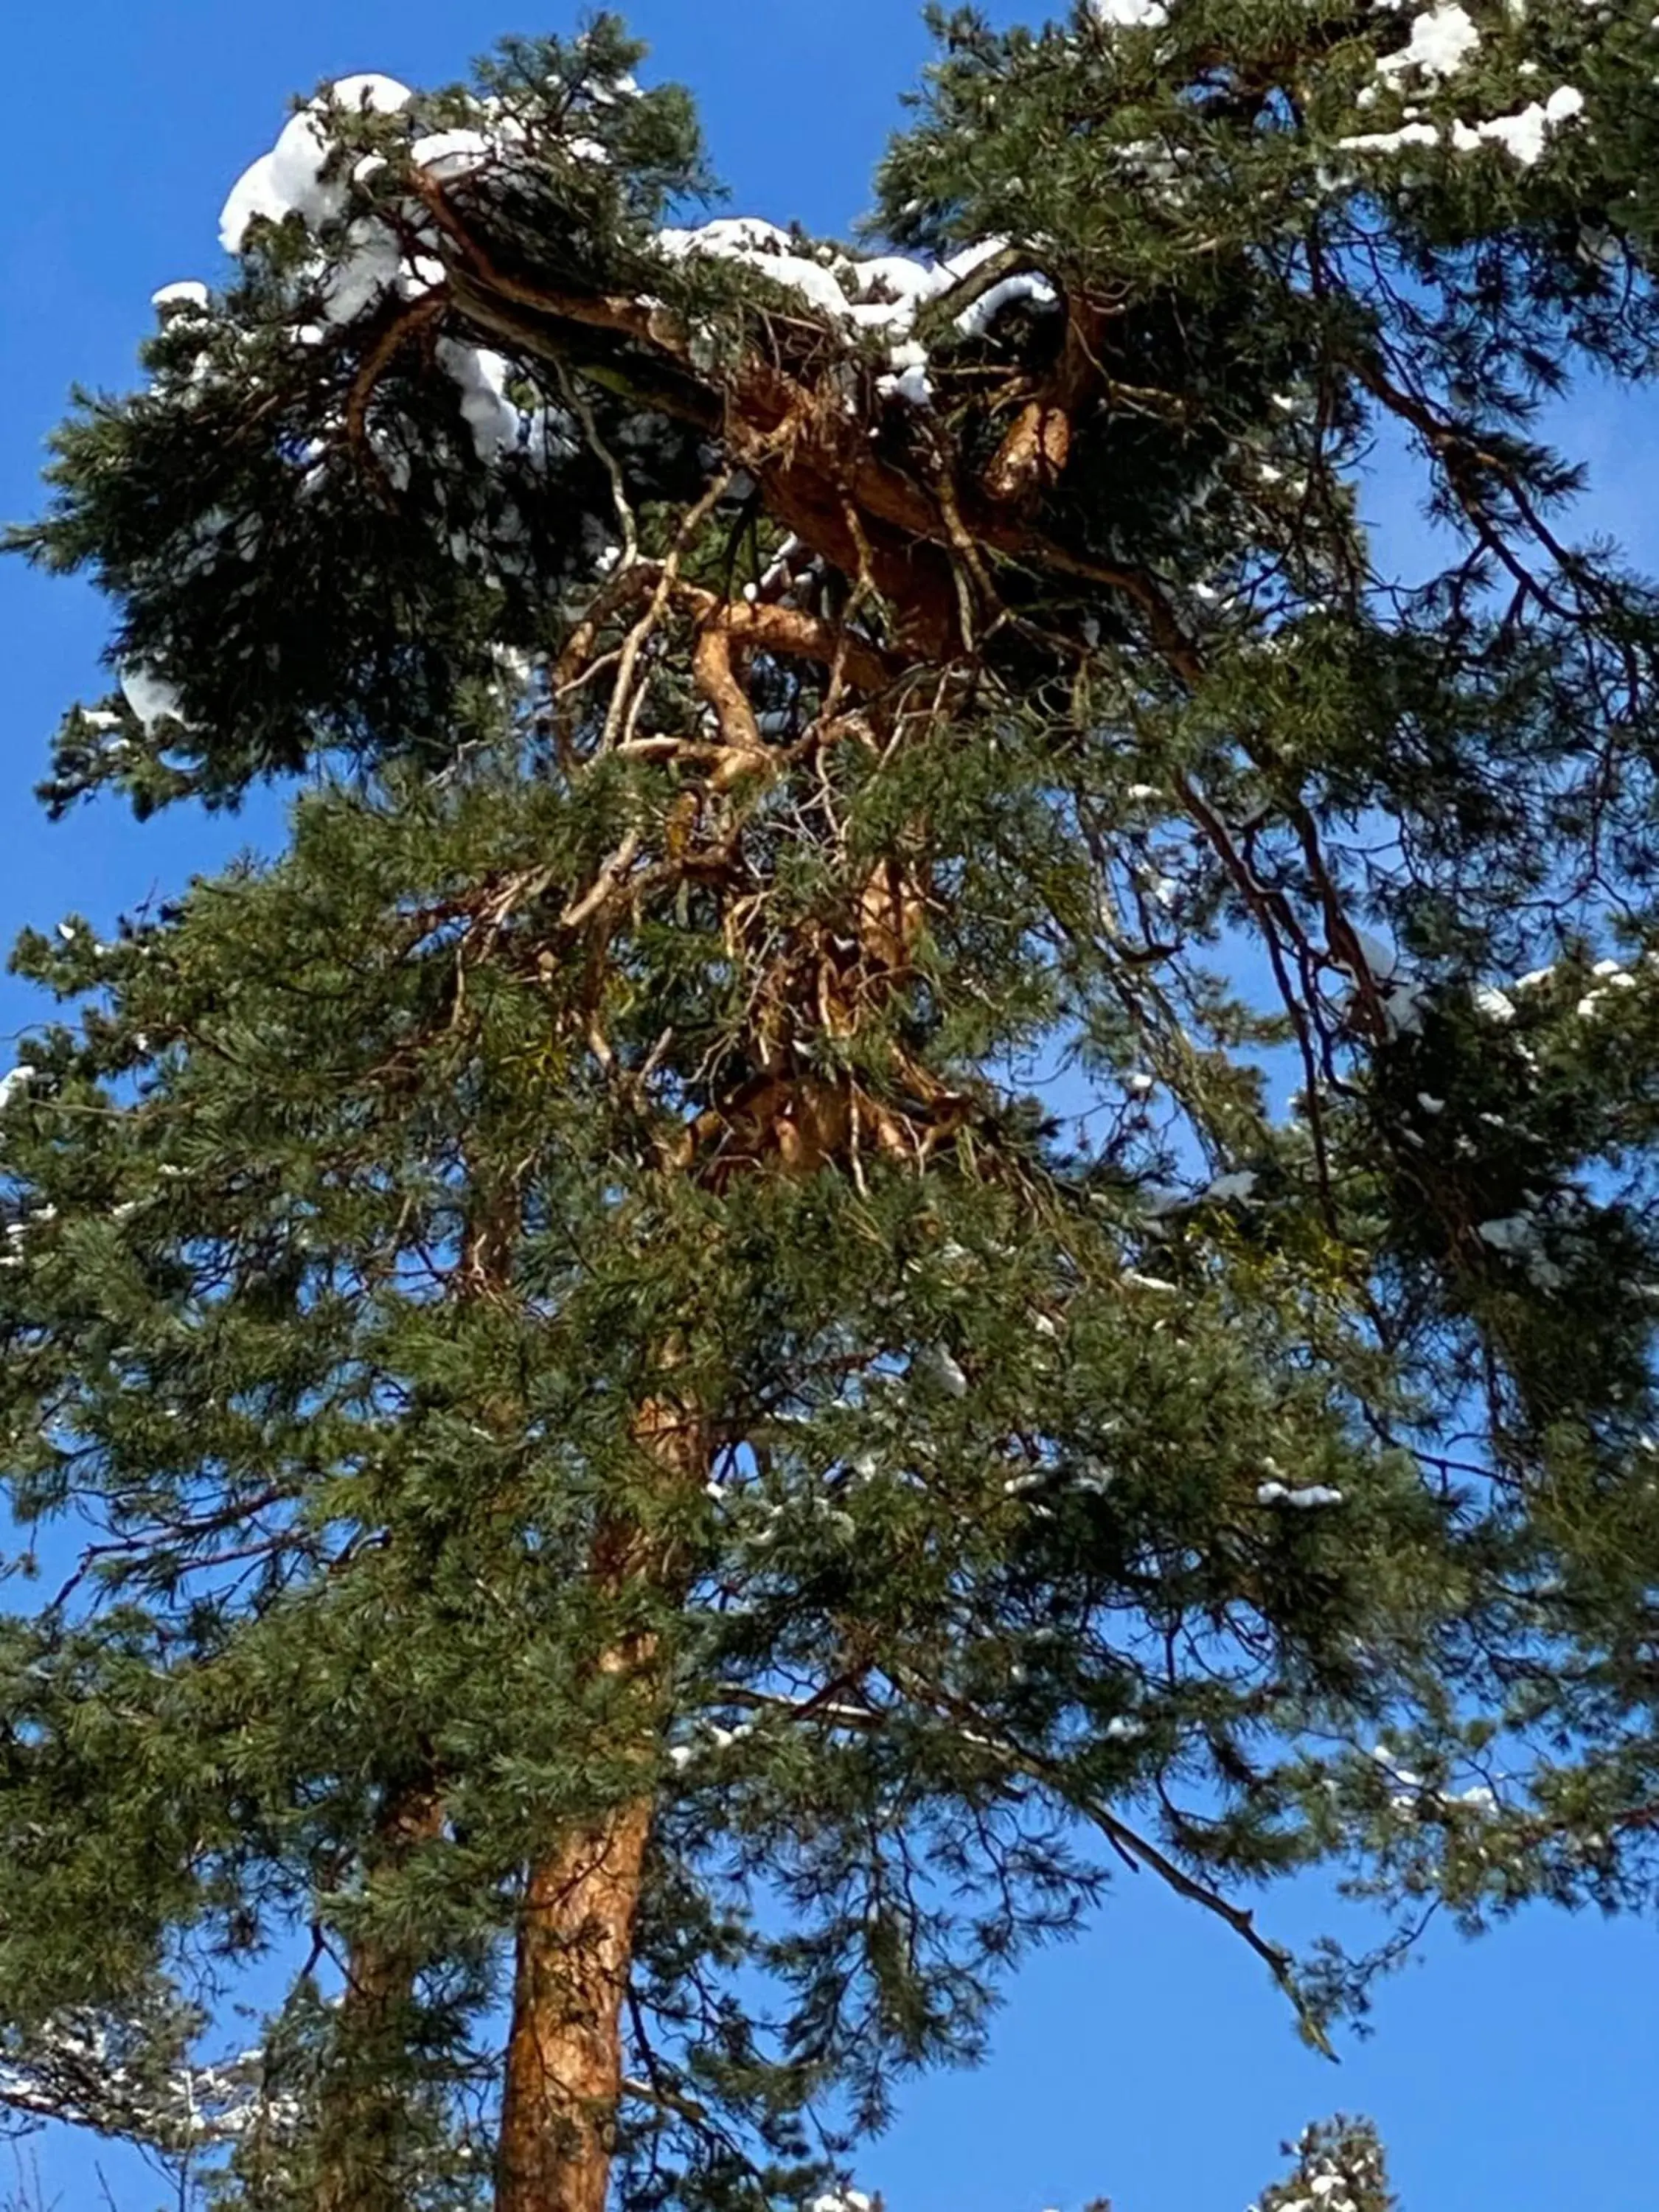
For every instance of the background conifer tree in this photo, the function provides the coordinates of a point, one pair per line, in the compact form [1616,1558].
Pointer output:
[865,1224]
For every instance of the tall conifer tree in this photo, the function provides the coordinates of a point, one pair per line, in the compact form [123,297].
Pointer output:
[865,1223]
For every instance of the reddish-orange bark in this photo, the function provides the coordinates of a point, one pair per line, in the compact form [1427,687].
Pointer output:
[564,2059]
[575,1937]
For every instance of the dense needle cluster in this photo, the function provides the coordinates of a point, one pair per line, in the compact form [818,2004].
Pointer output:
[931,1169]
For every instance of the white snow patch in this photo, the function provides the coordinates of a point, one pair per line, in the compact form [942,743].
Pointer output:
[288,179]
[1401,996]
[254,194]
[447,155]
[1391,142]
[908,380]
[190,293]
[1403,1001]
[1440,43]
[1523,136]
[368,93]
[151,696]
[763,246]
[482,379]
[373,263]
[902,281]
[1300,1501]
[881,294]
[976,317]
[1132,15]
[14,1084]
[296,174]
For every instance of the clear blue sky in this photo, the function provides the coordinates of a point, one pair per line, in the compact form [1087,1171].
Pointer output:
[1150,2063]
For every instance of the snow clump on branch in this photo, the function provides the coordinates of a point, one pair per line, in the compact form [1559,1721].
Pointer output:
[1132,14]
[1441,42]
[884,294]
[303,175]
[113,2078]
[151,697]
[290,180]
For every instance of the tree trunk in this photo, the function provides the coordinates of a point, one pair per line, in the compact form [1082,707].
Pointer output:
[361,2122]
[564,2054]
[575,1940]
[563,2081]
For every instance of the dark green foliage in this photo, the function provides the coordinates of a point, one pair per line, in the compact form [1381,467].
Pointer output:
[1176,1371]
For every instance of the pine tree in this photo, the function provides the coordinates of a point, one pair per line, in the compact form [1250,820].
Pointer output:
[861,1226]
[1338,2168]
